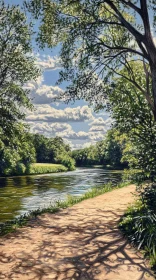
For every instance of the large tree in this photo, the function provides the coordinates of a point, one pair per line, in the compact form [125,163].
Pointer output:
[132,116]
[97,38]
[17,66]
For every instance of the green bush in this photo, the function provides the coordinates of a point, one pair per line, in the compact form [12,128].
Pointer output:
[148,197]
[139,222]
[66,160]
[133,175]
[20,169]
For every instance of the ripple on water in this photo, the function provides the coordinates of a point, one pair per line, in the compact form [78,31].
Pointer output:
[22,194]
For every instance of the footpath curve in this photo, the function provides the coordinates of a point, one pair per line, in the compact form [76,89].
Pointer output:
[81,242]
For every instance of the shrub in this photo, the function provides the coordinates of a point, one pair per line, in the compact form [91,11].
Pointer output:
[148,197]
[134,176]
[67,161]
[20,169]
[139,222]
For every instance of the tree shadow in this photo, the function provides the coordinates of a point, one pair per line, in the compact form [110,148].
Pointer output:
[84,247]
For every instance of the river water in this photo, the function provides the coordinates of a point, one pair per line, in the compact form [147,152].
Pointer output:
[18,195]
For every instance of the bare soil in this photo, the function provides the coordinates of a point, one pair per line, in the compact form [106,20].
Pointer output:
[82,242]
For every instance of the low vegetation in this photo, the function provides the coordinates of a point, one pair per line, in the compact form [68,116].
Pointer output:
[139,223]
[43,168]
[71,200]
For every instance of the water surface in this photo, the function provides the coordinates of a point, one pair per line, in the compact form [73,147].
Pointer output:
[18,195]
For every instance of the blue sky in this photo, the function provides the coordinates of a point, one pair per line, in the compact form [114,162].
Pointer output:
[76,123]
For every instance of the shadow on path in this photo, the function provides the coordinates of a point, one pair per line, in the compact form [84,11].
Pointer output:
[81,243]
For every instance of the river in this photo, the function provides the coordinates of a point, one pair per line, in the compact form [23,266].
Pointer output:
[19,195]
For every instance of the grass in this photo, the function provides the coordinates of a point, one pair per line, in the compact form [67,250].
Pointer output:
[139,226]
[24,219]
[43,168]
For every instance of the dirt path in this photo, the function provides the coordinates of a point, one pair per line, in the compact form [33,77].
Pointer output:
[81,242]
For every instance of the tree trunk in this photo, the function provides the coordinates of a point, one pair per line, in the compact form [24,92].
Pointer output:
[153,74]
[151,50]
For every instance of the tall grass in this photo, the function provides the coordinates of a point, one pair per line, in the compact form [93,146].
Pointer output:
[43,168]
[139,223]
[71,200]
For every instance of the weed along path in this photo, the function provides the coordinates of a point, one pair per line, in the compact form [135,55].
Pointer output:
[81,242]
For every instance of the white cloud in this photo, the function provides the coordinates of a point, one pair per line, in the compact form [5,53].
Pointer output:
[34,85]
[45,94]
[96,136]
[48,63]
[47,113]
[48,129]
[72,135]
[81,135]
[98,128]
[101,122]
[41,93]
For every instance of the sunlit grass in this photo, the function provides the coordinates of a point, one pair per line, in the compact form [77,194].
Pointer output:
[43,168]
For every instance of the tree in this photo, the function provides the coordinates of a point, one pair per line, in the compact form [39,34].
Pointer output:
[86,156]
[133,117]
[110,150]
[15,159]
[17,66]
[97,38]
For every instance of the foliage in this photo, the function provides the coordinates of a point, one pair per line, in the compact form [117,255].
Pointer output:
[43,168]
[86,156]
[71,200]
[52,150]
[67,161]
[133,175]
[113,149]
[133,118]
[106,152]
[17,66]
[148,197]
[16,157]
[139,222]
[97,38]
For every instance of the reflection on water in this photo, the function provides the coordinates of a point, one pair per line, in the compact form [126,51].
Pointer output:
[21,194]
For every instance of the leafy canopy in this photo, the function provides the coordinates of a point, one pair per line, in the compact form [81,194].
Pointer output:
[17,66]
[97,38]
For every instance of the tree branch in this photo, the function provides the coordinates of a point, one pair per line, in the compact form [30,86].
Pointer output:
[132,30]
[131,5]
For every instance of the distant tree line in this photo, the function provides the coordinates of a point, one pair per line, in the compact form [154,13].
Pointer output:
[108,152]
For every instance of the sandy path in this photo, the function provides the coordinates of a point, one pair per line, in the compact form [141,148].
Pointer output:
[81,242]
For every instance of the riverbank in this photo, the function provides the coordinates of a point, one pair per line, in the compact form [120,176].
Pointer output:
[45,168]
[80,242]
[39,168]
[28,193]
[70,201]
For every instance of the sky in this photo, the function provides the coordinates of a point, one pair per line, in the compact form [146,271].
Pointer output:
[76,123]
